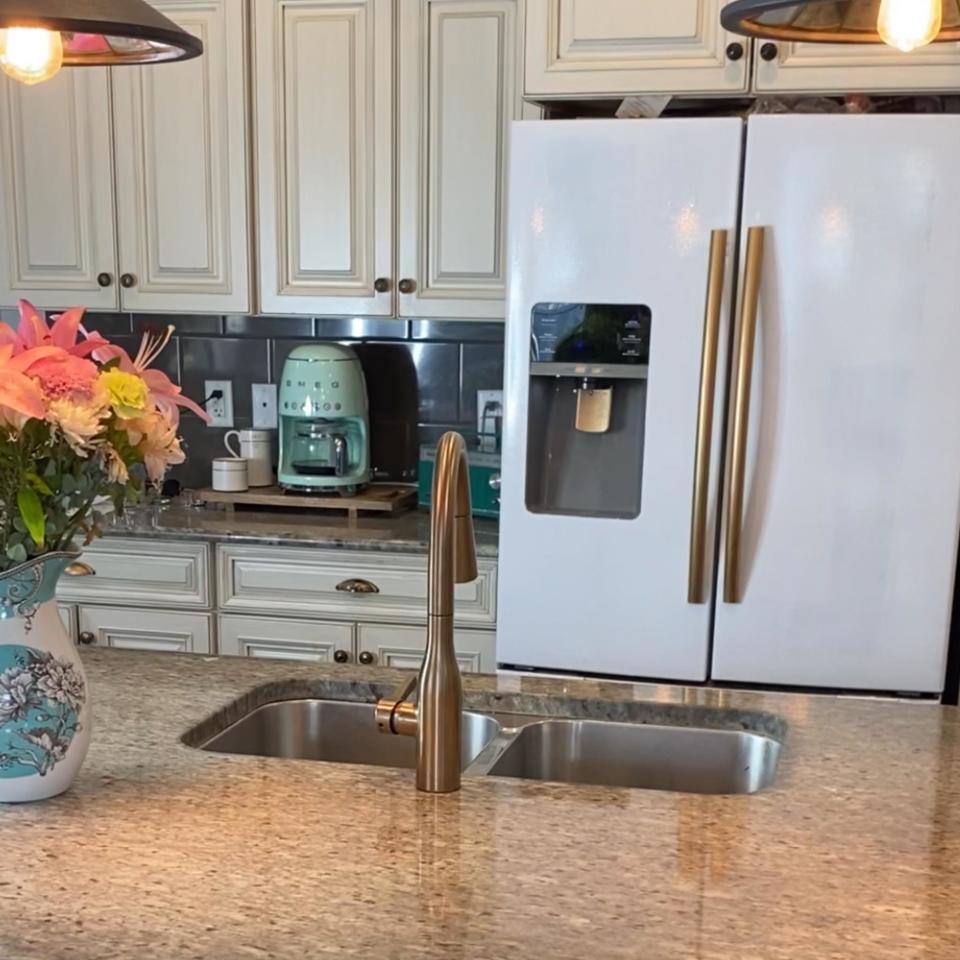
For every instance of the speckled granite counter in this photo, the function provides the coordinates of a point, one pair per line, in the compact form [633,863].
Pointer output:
[164,852]
[404,533]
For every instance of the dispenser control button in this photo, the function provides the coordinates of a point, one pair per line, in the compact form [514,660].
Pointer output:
[326,406]
[333,386]
[337,406]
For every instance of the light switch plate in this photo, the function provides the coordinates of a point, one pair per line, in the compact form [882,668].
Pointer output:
[221,408]
[264,397]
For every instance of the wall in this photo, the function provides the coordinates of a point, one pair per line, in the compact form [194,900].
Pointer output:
[422,376]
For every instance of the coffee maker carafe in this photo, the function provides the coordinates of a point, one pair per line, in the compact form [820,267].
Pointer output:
[324,429]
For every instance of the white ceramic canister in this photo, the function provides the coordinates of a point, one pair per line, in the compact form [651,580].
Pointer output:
[256,449]
[230,474]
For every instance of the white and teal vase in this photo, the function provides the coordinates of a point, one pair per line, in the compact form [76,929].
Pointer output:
[44,706]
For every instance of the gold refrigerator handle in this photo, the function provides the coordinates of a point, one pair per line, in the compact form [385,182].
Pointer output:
[746,335]
[696,583]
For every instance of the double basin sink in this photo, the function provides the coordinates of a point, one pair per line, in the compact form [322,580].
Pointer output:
[653,757]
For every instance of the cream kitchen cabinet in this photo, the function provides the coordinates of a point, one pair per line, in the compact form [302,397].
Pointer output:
[597,48]
[287,639]
[403,646]
[169,230]
[57,241]
[164,631]
[353,97]
[866,68]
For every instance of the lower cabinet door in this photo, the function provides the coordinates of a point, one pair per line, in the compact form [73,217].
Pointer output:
[313,640]
[68,614]
[393,645]
[131,629]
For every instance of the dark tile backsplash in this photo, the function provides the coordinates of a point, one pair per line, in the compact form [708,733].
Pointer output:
[422,375]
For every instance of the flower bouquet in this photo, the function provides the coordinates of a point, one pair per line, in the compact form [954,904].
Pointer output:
[80,422]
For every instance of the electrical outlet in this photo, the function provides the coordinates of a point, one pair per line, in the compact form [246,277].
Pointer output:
[489,418]
[220,408]
[264,398]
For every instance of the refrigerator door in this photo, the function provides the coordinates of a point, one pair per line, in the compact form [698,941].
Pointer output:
[612,219]
[848,533]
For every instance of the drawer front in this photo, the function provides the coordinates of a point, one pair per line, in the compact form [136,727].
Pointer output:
[157,630]
[285,639]
[143,573]
[306,581]
[402,646]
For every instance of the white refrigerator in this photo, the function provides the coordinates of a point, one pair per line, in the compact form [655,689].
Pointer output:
[731,438]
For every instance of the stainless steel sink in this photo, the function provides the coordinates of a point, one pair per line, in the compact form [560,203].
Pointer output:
[685,759]
[339,731]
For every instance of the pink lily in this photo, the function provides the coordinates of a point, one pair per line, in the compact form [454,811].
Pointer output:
[167,397]
[33,331]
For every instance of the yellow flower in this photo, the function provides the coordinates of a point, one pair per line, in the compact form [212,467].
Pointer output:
[128,393]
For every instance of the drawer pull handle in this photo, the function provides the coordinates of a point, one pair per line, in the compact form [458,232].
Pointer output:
[357,586]
[78,569]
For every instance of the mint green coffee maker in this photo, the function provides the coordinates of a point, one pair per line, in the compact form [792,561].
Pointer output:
[324,422]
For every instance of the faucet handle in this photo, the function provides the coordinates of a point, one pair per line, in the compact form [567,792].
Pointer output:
[397,714]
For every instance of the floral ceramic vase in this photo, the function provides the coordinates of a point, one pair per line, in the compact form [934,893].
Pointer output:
[44,705]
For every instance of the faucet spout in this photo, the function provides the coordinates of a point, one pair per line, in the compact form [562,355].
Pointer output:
[435,720]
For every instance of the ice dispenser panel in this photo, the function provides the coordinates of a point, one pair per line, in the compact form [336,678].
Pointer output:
[587,408]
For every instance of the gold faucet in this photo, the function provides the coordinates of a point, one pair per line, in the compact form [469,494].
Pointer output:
[435,719]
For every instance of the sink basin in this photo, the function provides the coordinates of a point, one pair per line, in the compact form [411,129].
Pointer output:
[685,759]
[335,730]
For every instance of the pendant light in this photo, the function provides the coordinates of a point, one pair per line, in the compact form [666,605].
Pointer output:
[38,37]
[904,24]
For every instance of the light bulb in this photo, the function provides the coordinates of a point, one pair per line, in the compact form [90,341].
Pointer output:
[30,54]
[908,24]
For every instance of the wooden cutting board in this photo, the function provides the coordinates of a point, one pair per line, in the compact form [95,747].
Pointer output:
[377,498]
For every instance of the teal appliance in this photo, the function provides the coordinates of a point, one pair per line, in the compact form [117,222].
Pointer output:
[324,421]
[484,470]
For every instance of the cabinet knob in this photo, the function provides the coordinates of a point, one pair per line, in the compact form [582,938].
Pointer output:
[407,285]
[769,51]
[382,284]
[105,279]
[367,658]
[87,638]
[735,51]
[357,586]
[341,656]
[495,481]
[128,280]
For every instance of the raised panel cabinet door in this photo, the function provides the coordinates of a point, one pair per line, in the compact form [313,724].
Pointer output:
[57,243]
[586,48]
[182,169]
[403,646]
[286,639]
[158,630]
[460,87]
[324,91]
[864,67]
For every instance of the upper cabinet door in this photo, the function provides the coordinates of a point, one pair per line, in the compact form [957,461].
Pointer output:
[182,184]
[459,91]
[805,67]
[591,48]
[324,82]
[56,192]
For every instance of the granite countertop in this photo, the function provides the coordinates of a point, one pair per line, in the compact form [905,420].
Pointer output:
[403,533]
[167,852]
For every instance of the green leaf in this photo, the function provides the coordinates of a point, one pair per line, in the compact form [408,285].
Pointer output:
[31,512]
[17,552]
[38,483]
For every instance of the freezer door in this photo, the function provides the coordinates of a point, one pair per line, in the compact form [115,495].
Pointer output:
[848,532]
[611,227]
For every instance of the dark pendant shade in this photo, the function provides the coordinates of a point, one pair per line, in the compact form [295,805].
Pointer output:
[821,21]
[104,32]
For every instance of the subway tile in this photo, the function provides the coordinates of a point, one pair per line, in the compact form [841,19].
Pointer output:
[187,324]
[241,325]
[168,361]
[458,331]
[361,328]
[481,369]
[243,362]
[108,324]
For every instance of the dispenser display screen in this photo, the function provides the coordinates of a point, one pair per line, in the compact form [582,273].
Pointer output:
[605,333]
